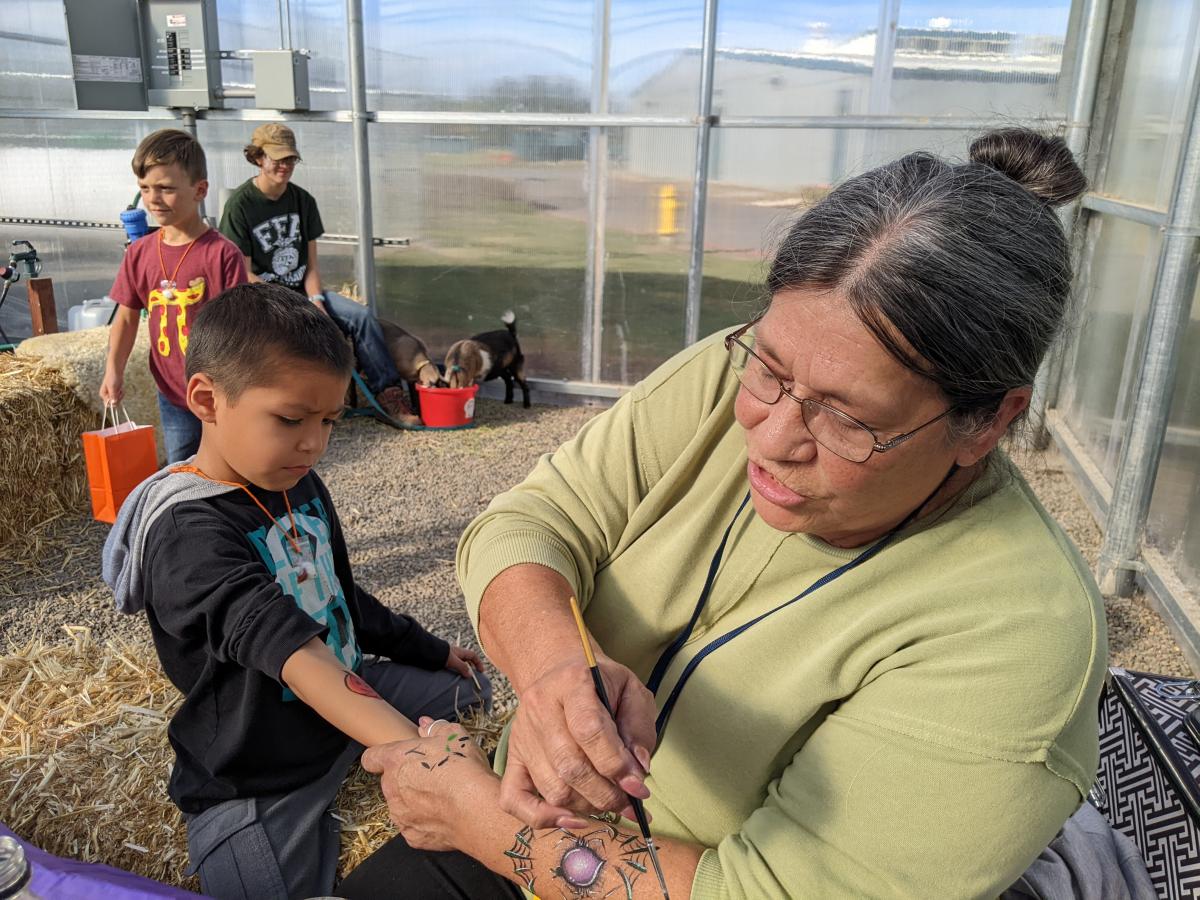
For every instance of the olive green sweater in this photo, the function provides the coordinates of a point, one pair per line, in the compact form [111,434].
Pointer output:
[920,727]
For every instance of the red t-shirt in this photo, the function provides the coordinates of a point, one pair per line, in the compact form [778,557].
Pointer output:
[212,265]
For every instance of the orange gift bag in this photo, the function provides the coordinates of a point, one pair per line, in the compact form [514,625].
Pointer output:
[119,458]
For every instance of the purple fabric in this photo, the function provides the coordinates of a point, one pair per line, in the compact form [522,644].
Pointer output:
[55,878]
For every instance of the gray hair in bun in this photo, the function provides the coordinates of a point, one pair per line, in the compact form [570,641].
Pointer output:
[961,271]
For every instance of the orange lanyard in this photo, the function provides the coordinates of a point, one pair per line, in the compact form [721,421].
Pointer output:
[163,265]
[293,537]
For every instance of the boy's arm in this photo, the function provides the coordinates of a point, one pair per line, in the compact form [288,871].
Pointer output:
[121,339]
[385,632]
[342,698]
[250,276]
[312,276]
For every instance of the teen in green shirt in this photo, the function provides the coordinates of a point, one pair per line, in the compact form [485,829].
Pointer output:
[872,658]
[276,223]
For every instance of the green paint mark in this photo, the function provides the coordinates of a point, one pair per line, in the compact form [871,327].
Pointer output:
[522,839]
[628,885]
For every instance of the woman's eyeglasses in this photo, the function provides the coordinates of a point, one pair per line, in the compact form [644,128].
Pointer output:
[833,429]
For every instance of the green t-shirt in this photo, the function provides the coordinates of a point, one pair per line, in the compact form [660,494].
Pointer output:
[273,233]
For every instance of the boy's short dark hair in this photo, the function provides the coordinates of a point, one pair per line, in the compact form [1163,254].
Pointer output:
[243,338]
[168,146]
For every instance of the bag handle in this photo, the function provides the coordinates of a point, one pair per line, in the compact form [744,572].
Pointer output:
[112,405]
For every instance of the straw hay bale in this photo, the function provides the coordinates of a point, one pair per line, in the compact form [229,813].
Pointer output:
[81,356]
[42,476]
[83,737]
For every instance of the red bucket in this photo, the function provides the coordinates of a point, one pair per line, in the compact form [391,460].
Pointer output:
[448,407]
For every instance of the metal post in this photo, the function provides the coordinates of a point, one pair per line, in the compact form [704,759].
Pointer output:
[365,255]
[187,120]
[593,289]
[880,100]
[285,24]
[1080,112]
[708,54]
[1170,304]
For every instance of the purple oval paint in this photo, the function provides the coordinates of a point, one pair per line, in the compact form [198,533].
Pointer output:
[581,866]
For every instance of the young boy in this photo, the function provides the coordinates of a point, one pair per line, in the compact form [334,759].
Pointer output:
[172,273]
[240,564]
[276,223]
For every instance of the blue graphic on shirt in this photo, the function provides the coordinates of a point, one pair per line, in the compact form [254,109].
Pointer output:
[319,594]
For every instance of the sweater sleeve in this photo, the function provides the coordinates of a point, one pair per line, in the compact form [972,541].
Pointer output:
[570,513]
[863,811]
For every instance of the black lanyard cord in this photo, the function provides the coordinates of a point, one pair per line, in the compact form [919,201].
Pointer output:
[669,654]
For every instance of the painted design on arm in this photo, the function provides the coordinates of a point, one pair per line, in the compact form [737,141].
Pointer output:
[356,685]
[604,862]
[521,853]
[455,745]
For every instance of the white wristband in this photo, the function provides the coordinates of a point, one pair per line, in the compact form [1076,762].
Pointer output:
[317,298]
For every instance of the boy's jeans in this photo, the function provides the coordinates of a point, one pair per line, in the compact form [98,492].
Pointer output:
[370,347]
[282,847]
[181,430]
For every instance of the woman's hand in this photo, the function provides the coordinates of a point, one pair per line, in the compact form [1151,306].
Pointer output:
[429,782]
[462,661]
[566,755]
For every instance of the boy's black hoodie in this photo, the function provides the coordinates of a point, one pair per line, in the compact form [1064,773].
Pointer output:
[228,602]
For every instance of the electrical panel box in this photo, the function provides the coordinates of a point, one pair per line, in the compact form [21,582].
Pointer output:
[106,54]
[280,79]
[180,47]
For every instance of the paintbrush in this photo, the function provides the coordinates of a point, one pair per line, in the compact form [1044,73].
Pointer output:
[638,811]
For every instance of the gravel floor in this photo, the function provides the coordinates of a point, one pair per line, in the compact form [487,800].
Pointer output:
[404,499]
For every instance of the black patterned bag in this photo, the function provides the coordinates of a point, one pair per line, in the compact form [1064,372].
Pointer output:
[1148,786]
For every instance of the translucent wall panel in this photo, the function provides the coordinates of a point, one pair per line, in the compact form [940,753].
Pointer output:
[1174,524]
[821,59]
[1098,381]
[654,66]
[761,178]
[327,170]
[69,168]
[498,220]
[35,63]
[318,26]
[1147,133]
[791,59]
[480,55]
[646,249]
[980,58]
[83,263]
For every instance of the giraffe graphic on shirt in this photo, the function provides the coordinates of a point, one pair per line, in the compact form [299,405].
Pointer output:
[180,299]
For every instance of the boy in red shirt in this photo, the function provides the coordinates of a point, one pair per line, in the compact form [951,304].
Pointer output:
[172,273]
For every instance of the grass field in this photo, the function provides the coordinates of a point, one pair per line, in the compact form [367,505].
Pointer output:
[483,248]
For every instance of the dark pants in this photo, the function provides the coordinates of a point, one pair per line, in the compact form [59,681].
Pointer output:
[181,430]
[285,847]
[370,347]
[396,870]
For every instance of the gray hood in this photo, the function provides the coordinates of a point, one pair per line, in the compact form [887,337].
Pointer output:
[125,543]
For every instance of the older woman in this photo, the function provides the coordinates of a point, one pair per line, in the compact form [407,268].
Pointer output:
[849,652]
